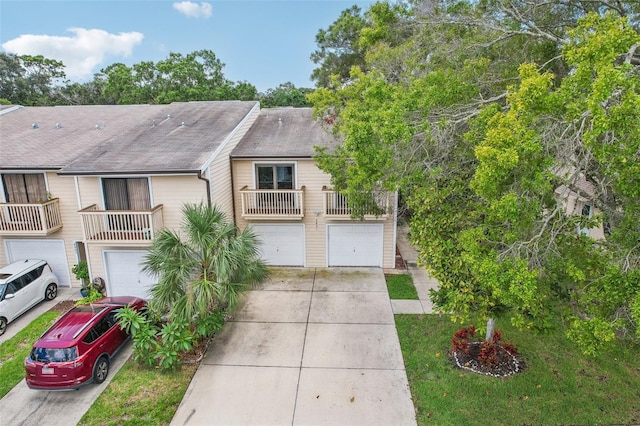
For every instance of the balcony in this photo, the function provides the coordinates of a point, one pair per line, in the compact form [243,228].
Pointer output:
[273,204]
[120,226]
[336,206]
[37,219]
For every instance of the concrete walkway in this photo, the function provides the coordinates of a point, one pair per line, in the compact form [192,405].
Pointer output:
[312,347]
[422,281]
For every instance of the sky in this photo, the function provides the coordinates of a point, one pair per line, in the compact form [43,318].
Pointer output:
[265,43]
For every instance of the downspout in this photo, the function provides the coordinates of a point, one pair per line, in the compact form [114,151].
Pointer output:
[208,185]
[233,192]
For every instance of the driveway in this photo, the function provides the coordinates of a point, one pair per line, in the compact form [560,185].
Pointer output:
[311,347]
[23,406]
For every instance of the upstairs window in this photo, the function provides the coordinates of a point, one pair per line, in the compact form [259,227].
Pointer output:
[28,188]
[275,176]
[126,194]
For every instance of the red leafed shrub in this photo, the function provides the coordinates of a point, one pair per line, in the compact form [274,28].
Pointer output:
[496,358]
[460,341]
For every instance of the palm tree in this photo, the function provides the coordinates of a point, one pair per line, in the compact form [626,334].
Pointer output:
[204,269]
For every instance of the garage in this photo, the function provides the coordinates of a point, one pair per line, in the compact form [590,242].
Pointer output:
[355,244]
[282,244]
[50,250]
[124,273]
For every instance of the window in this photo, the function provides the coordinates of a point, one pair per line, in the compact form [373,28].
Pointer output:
[97,330]
[126,194]
[24,188]
[275,176]
[586,213]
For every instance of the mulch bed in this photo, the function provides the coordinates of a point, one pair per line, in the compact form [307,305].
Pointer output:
[507,364]
[63,306]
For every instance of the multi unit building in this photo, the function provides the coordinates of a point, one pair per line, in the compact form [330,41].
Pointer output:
[96,183]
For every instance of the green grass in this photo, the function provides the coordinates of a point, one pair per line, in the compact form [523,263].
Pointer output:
[558,386]
[14,350]
[401,286]
[139,396]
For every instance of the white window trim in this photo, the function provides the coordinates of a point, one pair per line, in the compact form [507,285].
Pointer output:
[255,164]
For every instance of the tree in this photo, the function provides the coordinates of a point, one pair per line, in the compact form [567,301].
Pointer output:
[204,269]
[338,49]
[285,94]
[29,80]
[478,117]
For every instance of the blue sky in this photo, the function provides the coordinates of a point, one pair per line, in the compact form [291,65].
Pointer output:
[264,42]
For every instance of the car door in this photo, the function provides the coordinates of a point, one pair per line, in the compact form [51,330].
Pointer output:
[21,300]
[11,303]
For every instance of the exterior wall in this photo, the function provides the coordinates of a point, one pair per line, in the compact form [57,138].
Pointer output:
[62,188]
[312,179]
[573,205]
[170,191]
[219,172]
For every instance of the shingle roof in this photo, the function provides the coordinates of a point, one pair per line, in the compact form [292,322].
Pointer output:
[284,132]
[118,138]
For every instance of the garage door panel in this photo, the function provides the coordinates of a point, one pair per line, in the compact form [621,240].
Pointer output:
[125,276]
[281,244]
[52,251]
[355,244]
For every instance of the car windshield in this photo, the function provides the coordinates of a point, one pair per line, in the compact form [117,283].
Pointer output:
[54,354]
[2,287]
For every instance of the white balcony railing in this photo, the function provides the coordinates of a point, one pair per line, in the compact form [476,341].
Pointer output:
[336,206]
[120,226]
[272,203]
[30,219]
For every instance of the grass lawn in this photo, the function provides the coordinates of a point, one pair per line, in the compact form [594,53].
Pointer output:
[13,351]
[139,396]
[558,386]
[401,286]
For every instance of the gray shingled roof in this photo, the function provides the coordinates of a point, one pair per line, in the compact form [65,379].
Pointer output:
[110,139]
[284,132]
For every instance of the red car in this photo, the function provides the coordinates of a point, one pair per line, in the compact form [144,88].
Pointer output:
[77,349]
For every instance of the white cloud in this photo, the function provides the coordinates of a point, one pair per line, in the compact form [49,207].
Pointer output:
[81,53]
[194,10]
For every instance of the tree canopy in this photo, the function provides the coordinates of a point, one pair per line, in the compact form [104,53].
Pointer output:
[489,117]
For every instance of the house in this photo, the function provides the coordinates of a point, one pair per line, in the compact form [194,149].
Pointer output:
[280,192]
[576,197]
[96,183]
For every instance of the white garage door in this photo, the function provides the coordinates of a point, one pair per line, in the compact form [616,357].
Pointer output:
[355,244]
[282,244]
[50,250]
[124,273]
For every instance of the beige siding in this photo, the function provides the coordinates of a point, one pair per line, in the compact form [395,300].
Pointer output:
[313,179]
[64,189]
[175,191]
[219,172]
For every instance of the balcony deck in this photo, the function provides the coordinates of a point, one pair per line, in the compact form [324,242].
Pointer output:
[30,219]
[120,226]
[272,204]
[336,206]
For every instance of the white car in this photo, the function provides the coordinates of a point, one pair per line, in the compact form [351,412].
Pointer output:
[24,284]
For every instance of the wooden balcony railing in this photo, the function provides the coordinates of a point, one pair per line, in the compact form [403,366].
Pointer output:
[272,203]
[30,219]
[120,226]
[336,206]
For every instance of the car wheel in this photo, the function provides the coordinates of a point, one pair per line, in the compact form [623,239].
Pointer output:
[101,370]
[3,325]
[51,292]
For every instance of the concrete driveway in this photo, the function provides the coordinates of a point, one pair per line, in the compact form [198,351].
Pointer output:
[23,406]
[311,347]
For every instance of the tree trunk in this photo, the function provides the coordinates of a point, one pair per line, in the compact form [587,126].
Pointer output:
[490,326]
